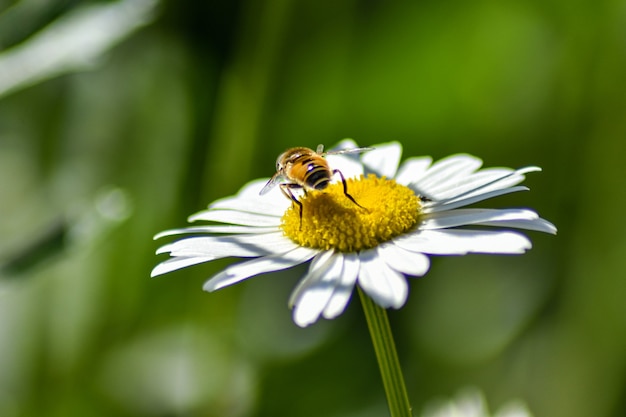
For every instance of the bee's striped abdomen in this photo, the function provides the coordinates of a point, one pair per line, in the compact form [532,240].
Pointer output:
[317,177]
[310,171]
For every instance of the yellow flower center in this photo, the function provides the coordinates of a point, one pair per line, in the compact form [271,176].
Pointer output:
[330,220]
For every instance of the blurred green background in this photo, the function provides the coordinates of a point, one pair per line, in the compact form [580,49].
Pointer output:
[120,119]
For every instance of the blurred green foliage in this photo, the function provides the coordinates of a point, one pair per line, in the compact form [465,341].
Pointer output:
[130,123]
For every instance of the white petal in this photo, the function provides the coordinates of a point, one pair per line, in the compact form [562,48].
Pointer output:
[273,203]
[178,263]
[384,159]
[241,271]
[342,293]
[318,263]
[478,183]
[387,287]
[216,229]
[539,225]
[313,297]
[225,246]
[510,218]
[466,200]
[462,217]
[349,165]
[236,217]
[251,189]
[468,182]
[248,191]
[402,260]
[446,172]
[413,169]
[463,241]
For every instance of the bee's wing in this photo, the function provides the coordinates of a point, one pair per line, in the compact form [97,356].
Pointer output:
[276,178]
[350,150]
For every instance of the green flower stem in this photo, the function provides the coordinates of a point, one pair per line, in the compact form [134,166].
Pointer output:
[385,349]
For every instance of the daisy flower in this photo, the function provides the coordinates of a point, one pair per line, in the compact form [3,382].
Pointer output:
[409,211]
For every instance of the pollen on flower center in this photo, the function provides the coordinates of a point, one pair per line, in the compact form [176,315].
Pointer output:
[330,220]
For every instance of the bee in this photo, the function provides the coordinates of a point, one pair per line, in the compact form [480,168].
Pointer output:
[306,169]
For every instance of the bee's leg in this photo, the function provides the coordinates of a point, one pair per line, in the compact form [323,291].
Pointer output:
[345,188]
[286,189]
